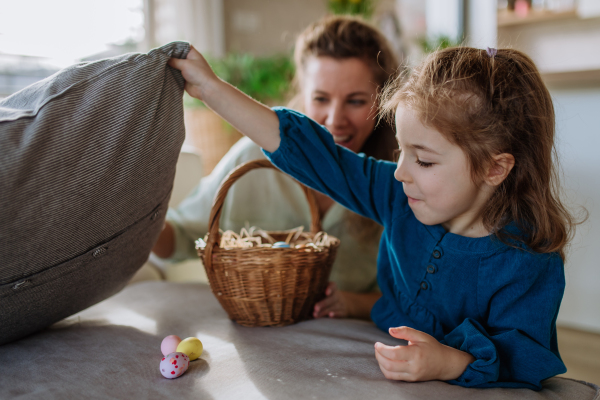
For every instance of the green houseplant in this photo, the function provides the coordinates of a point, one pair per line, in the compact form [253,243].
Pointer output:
[266,79]
[351,7]
[440,42]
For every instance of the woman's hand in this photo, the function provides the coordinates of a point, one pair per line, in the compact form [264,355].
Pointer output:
[165,244]
[340,304]
[333,305]
[423,359]
[197,73]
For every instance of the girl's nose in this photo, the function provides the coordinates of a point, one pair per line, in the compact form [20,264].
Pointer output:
[401,174]
[335,115]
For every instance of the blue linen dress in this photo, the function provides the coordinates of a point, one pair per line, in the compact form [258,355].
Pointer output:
[496,302]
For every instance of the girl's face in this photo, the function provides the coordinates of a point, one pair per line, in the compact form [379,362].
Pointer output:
[436,178]
[341,95]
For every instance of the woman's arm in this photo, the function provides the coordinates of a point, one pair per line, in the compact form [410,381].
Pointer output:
[247,115]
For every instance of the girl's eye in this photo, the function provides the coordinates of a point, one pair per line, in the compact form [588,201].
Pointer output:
[319,99]
[424,164]
[397,155]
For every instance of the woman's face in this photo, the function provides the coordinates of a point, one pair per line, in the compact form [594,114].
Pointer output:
[341,95]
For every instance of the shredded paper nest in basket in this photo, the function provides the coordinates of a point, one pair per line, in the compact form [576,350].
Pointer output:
[256,237]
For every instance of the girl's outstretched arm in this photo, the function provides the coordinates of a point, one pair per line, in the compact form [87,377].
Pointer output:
[299,146]
[247,115]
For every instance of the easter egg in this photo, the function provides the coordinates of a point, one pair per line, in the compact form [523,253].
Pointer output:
[174,365]
[169,344]
[191,346]
[280,245]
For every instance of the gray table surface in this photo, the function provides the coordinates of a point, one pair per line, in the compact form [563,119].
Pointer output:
[112,350]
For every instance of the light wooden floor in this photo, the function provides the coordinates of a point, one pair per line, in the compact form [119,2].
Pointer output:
[580,352]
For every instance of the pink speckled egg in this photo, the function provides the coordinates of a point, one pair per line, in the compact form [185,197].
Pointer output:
[169,344]
[174,365]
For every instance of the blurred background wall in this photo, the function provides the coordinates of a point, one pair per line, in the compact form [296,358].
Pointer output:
[562,37]
[266,27]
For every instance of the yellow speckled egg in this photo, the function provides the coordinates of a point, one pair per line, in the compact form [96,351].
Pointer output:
[191,346]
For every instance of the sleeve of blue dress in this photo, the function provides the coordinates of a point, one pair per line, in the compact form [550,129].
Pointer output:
[517,347]
[308,153]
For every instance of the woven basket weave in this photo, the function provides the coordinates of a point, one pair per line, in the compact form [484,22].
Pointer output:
[263,286]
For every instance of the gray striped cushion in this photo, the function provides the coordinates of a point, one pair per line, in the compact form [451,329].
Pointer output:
[87,156]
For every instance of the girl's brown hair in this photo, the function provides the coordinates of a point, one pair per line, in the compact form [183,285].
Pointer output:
[491,104]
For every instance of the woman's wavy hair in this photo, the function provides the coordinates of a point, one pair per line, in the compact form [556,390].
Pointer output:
[488,105]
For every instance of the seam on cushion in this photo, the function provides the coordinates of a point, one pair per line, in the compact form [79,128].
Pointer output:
[69,270]
[112,237]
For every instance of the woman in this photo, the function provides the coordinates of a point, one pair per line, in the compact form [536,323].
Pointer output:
[341,63]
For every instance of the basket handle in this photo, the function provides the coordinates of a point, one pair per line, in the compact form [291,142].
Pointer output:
[217,206]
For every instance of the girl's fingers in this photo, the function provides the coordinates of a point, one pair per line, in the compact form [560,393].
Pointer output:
[395,353]
[194,54]
[391,365]
[398,376]
[176,63]
[410,334]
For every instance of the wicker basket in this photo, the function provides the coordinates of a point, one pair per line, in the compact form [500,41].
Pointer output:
[263,286]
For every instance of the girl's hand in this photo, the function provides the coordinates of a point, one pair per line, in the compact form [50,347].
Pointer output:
[332,306]
[423,359]
[197,73]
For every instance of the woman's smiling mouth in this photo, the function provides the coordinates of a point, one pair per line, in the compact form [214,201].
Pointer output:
[343,140]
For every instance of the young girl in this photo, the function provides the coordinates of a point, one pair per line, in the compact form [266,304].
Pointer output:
[471,258]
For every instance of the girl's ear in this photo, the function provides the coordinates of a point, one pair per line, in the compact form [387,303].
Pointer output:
[501,166]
